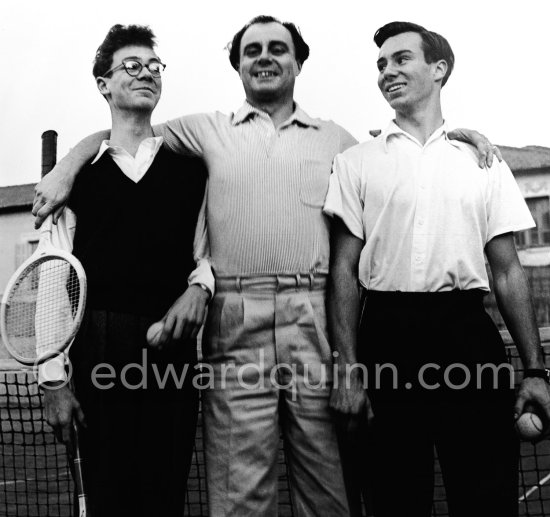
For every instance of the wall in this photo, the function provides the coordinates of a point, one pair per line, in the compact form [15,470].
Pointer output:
[16,228]
[534,184]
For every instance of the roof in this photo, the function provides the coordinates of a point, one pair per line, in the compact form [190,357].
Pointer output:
[528,158]
[16,197]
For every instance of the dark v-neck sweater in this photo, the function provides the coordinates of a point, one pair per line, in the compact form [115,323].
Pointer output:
[135,240]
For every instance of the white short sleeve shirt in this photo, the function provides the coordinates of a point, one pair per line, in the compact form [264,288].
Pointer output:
[425,212]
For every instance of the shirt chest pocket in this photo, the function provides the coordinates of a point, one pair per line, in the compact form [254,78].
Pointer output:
[314,180]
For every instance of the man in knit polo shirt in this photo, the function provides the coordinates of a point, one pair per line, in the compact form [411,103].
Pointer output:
[413,217]
[139,431]
[268,241]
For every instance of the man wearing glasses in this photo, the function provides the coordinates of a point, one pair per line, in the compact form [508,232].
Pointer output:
[139,424]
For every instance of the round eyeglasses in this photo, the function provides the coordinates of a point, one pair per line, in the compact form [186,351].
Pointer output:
[134,67]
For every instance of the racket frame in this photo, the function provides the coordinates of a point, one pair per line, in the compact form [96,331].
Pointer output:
[42,253]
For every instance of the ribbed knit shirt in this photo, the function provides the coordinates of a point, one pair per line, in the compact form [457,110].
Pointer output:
[266,187]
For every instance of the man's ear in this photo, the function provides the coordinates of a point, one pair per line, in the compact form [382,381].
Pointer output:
[299,68]
[440,69]
[102,85]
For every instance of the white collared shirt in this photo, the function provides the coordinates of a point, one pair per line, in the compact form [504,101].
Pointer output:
[132,167]
[425,212]
[63,233]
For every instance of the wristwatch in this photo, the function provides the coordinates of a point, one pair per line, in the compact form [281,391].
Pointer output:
[540,373]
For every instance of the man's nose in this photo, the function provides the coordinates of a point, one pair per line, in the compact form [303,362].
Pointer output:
[265,54]
[145,73]
[389,71]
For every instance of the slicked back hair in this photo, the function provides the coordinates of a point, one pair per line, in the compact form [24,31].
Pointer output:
[434,46]
[300,46]
[120,36]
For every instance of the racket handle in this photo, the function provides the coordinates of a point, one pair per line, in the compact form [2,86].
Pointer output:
[83,506]
[78,477]
[49,151]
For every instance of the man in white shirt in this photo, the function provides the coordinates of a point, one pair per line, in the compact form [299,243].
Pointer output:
[413,217]
[139,421]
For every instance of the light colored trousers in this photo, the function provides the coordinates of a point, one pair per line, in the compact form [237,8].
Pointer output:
[270,370]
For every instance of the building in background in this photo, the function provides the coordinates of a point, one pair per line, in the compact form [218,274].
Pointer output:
[18,238]
[531,168]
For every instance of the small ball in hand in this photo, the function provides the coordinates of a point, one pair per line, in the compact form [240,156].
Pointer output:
[154,334]
[529,426]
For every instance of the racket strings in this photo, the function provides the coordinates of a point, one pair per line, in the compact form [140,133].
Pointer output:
[42,308]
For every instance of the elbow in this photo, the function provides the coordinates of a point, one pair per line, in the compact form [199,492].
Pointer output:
[510,282]
[342,282]
[343,271]
[501,283]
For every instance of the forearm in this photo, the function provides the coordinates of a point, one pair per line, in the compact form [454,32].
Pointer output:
[53,192]
[343,315]
[515,304]
[83,152]
[484,148]
[201,252]
[462,135]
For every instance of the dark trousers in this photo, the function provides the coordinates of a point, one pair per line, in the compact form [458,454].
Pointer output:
[138,445]
[435,339]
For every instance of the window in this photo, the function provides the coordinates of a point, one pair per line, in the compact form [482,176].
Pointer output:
[26,246]
[539,236]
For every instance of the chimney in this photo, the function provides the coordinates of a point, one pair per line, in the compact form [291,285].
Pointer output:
[49,151]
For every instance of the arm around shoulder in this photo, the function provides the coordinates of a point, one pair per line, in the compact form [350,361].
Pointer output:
[52,193]
[347,140]
[485,150]
[187,134]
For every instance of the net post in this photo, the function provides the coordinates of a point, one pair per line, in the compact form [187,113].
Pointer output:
[49,151]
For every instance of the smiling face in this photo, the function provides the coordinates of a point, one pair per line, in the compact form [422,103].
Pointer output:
[127,93]
[268,66]
[405,79]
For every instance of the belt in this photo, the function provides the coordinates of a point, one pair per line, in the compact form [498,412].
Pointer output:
[271,282]
[419,300]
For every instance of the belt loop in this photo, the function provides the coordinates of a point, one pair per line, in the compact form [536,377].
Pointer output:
[298,280]
[238,283]
[311,279]
[278,283]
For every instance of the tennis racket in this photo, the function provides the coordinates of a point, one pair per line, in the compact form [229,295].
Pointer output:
[40,314]
[43,304]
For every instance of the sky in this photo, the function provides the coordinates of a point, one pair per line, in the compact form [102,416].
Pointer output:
[500,84]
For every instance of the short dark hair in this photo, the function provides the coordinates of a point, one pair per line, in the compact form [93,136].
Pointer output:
[300,46]
[120,36]
[434,46]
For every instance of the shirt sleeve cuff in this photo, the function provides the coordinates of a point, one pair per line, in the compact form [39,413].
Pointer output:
[354,229]
[526,225]
[202,274]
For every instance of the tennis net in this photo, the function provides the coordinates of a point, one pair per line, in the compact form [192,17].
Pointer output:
[35,479]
